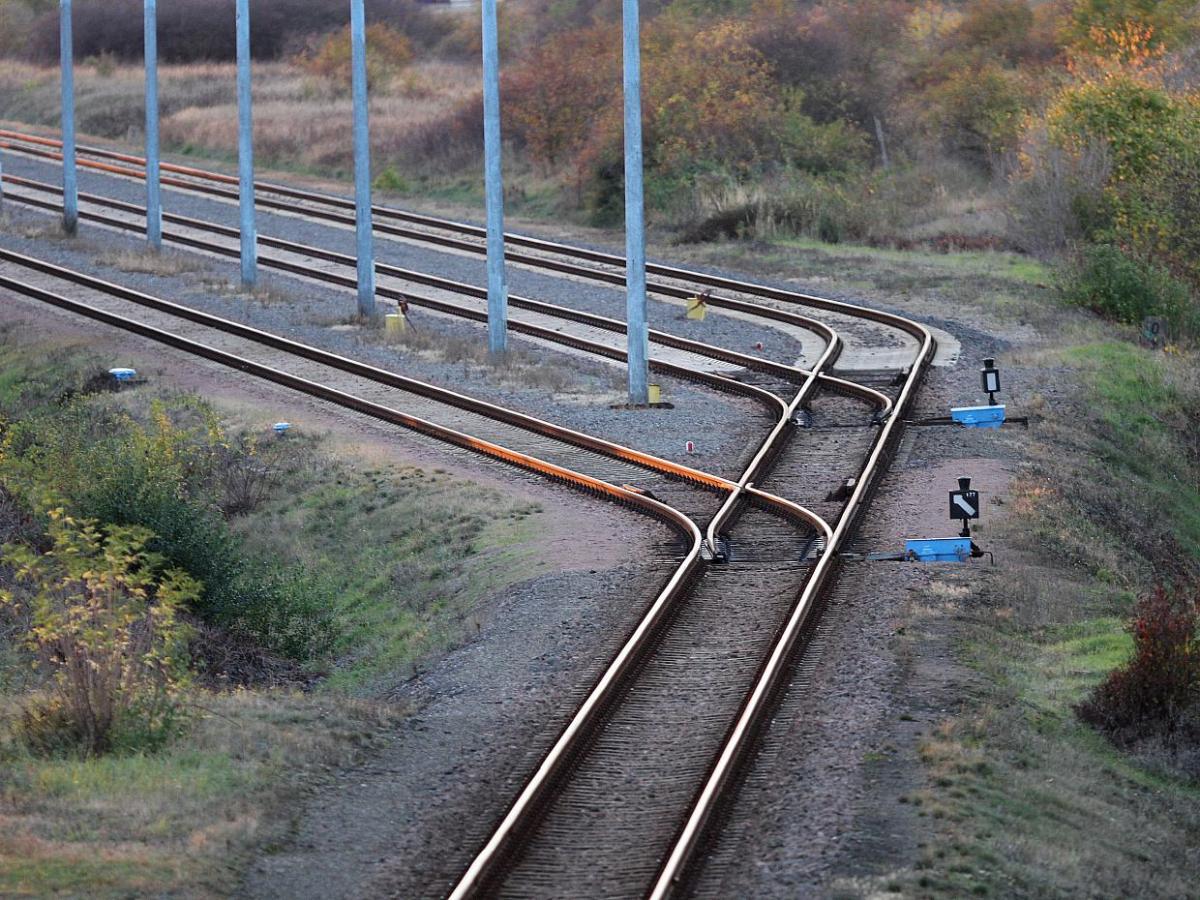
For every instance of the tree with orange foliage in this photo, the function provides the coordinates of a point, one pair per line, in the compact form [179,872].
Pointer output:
[1168,22]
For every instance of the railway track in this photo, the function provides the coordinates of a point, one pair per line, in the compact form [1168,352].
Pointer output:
[691,360]
[668,282]
[627,793]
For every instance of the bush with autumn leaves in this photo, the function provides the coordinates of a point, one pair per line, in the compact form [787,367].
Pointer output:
[712,107]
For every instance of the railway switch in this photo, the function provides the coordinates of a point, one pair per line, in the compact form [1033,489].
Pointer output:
[964,507]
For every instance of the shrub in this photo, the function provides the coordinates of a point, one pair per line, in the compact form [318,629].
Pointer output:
[104,623]
[1056,194]
[244,479]
[1155,689]
[1110,283]
[171,475]
[388,52]
[978,112]
[203,30]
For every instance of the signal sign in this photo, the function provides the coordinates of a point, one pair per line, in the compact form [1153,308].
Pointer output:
[964,505]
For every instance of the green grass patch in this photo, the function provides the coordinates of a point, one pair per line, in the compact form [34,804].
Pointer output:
[174,821]
[1028,801]
[404,554]
[1147,411]
[992,263]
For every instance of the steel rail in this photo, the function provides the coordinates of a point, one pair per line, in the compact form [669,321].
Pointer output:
[614,278]
[659,510]
[757,701]
[381,376]
[557,760]
[670,593]
[492,856]
[757,704]
[699,348]
[710,379]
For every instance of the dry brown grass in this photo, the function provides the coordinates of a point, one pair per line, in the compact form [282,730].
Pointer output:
[171,822]
[148,262]
[299,121]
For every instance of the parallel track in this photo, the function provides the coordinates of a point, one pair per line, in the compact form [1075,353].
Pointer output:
[578,262]
[296,259]
[509,860]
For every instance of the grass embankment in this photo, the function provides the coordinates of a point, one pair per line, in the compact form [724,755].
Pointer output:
[1025,799]
[385,562]
[1018,797]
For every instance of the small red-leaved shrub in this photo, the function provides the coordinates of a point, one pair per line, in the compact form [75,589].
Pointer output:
[1154,690]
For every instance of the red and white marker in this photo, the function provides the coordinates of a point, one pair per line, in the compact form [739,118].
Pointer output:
[758,345]
[691,447]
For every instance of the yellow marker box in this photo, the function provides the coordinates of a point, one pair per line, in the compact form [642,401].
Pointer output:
[696,308]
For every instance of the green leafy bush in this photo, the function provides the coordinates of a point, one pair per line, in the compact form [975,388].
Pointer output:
[176,475]
[1107,281]
[104,622]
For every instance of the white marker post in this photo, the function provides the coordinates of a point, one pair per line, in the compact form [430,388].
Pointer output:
[364,250]
[493,184]
[249,232]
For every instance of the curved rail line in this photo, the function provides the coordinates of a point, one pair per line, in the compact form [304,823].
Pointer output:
[757,702]
[363,370]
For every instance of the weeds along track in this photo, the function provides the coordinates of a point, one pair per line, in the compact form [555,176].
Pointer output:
[631,789]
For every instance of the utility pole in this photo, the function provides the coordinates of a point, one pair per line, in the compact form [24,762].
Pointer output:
[362,160]
[153,192]
[635,223]
[249,233]
[66,46]
[494,185]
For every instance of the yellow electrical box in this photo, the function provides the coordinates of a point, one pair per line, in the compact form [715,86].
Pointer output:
[696,308]
[654,393]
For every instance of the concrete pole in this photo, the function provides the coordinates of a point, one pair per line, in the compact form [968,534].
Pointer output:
[635,222]
[362,160]
[493,181]
[66,47]
[153,192]
[246,149]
